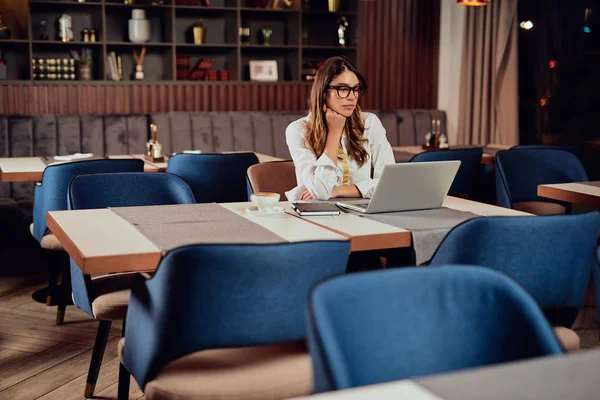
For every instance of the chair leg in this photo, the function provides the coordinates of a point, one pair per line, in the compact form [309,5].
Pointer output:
[65,292]
[97,354]
[124,377]
[52,279]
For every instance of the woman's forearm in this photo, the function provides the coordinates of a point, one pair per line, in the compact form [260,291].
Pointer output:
[345,191]
[331,148]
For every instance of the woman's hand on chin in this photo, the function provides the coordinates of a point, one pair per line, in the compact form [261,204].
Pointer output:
[345,191]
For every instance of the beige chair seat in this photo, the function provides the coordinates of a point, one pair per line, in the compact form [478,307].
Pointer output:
[567,338]
[111,296]
[49,241]
[540,208]
[263,372]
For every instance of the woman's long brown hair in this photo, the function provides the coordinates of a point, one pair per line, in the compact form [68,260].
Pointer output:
[316,136]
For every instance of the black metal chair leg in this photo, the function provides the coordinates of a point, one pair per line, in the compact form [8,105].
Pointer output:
[63,297]
[124,377]
[97,354]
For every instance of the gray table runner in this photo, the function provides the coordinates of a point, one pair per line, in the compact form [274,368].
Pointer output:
[573,377]
[593,183]
[172,226]
[428,227]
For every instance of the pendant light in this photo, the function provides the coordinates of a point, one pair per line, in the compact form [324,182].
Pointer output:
[472,2]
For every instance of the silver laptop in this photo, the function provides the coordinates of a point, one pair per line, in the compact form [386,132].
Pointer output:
[408,186]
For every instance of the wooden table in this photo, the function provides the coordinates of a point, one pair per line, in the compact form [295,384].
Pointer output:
[31,169]
[486,158]
[100,241]
[366,234]
[576,193]
[572,376]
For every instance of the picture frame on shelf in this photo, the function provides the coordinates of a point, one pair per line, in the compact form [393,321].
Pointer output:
[263,70]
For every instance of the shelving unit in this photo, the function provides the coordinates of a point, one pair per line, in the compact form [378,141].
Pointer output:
[305,33]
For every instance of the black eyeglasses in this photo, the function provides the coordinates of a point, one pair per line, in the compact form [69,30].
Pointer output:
[344,91]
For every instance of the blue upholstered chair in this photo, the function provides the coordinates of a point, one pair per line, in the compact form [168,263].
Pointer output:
[551,257]
[51,194]
[226,321]
[519,172]
[384,326]
[219,178]
[468,174]
[571,148]
[106,297]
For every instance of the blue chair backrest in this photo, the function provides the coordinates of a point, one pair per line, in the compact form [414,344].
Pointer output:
[220,296]
[519,172]
[128,189]
[51,194]
[571,148]
[384,326]
[120,190]
[468,174]
[219,178]
[551,256]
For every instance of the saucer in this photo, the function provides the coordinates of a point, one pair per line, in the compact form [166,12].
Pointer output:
[255,212]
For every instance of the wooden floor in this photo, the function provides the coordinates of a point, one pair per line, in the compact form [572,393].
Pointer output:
[39,360]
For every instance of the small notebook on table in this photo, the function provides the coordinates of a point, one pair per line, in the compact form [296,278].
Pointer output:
[310,209]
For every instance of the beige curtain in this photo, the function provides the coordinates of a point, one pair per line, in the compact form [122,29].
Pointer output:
[488,103]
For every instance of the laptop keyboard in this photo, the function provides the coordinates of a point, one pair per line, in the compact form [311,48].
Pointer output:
[362,205]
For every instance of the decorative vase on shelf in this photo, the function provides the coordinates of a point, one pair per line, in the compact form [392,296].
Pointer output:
[42,33]
[139,27]
[334,5]
[84,72]
[266,36]
[65,25]
[199,32]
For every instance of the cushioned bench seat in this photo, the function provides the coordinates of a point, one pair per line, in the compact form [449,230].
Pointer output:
[263,132]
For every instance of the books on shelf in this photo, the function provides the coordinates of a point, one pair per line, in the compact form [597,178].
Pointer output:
[200,71]
[183,67]
[114,67]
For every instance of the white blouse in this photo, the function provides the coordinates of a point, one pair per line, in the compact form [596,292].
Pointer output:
[319,176]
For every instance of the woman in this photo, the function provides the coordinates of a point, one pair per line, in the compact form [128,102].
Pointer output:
[336,145]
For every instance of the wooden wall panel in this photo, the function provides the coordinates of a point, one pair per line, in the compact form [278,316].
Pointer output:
[399,53]
[399,46]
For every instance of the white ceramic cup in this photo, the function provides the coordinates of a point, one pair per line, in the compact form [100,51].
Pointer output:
[264,200]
